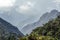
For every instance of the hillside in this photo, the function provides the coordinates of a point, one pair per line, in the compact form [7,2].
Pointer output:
[52,28]
[43,19]
[7,30]
[49,31]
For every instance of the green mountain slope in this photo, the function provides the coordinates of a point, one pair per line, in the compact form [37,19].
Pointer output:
[49,31]
[52,28]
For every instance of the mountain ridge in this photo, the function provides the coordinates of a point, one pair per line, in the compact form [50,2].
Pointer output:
[43,19]
[10,28]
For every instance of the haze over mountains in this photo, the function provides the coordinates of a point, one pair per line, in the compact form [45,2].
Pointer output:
[43,19]
[15,18]
[26,24]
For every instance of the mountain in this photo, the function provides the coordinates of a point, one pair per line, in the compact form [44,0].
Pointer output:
[43,19]
[7,29]
[13,16]
[49,31]
[51,28]
[16,18]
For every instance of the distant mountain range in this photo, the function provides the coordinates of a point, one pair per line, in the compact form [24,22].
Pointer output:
[16,18]
[7,29]
[43,19]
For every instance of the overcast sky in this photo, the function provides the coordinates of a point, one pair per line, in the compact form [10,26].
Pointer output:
[30,9]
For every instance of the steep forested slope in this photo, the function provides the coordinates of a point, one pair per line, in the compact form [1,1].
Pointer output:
[52,28]
[49,31]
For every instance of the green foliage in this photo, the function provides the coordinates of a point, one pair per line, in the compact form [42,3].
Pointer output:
[49,31]
[38,38]
[23,38]
[11,38]
[52,28]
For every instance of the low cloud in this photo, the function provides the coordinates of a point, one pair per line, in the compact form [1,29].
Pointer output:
[6,3]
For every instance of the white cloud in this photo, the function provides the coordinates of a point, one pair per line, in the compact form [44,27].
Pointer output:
[57,2]
[25,7]
[49,9]
[30,4]
[6,3]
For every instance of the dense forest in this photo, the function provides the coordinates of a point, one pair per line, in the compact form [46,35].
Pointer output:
[49,31]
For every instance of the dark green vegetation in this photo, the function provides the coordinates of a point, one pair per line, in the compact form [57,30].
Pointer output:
[49,31]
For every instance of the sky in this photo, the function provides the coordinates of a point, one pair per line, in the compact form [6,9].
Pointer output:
[23,12]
